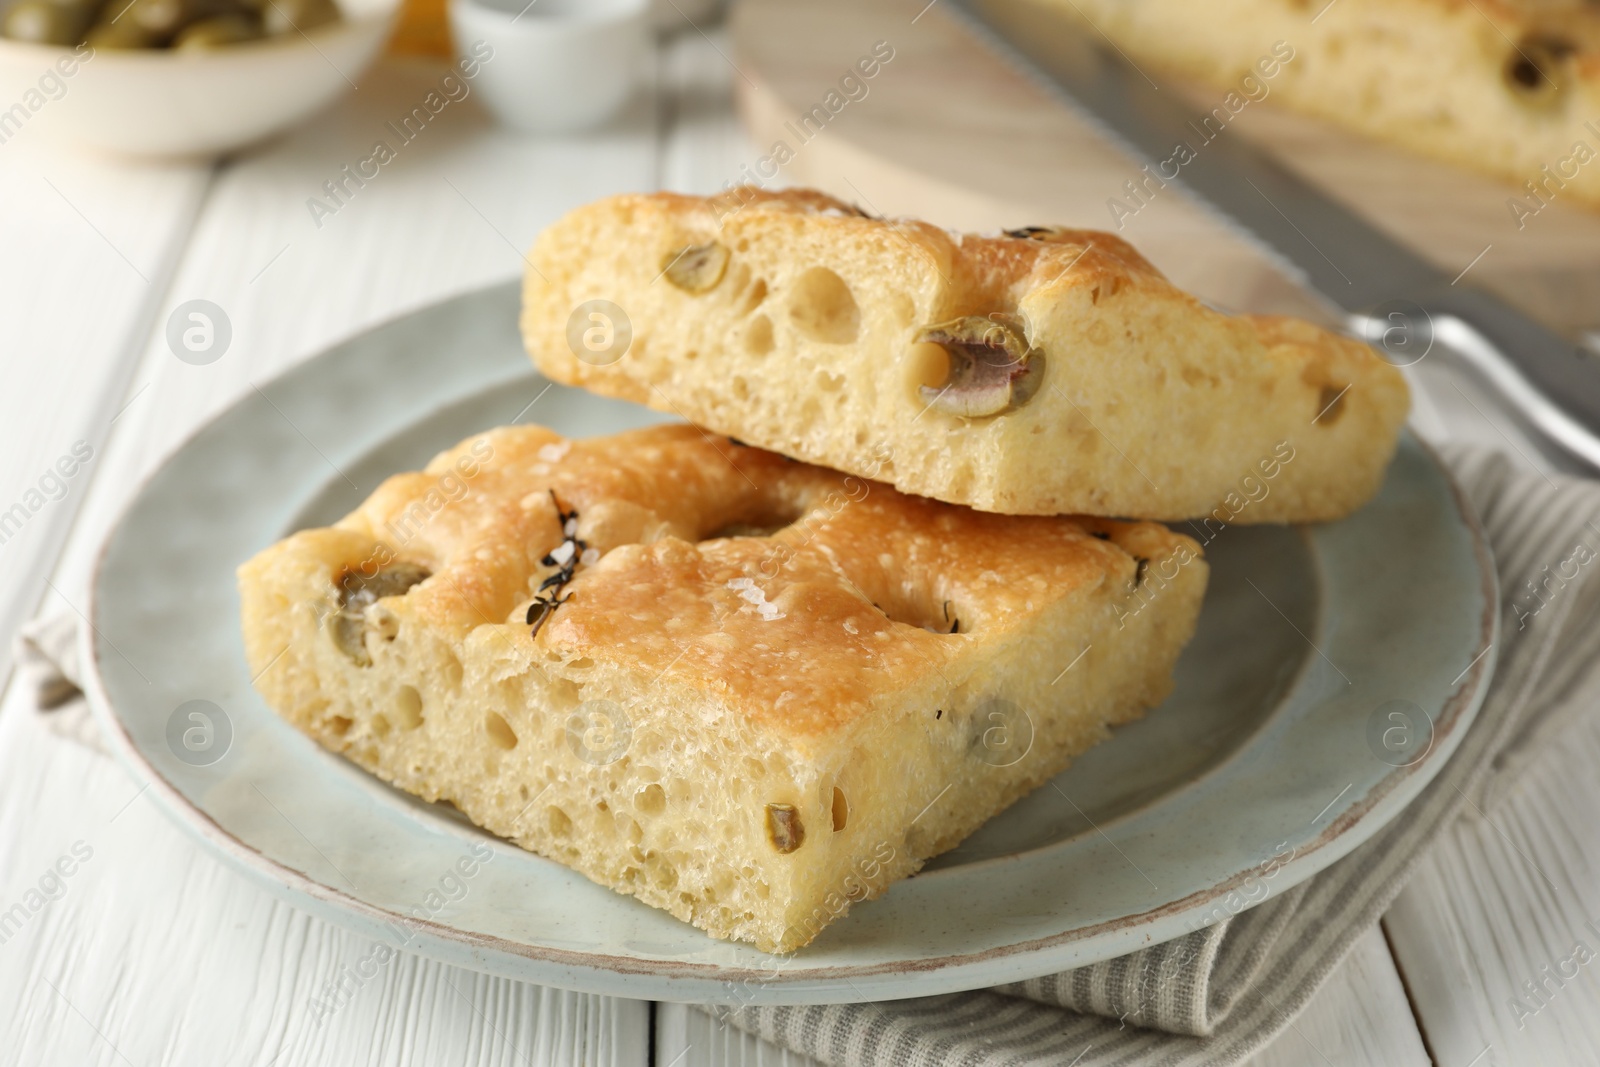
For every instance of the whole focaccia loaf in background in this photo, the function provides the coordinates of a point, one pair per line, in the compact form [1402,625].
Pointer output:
[1510,88]
[739,688]
[1039,372]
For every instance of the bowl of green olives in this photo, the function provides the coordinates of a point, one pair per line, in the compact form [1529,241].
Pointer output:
[178,78]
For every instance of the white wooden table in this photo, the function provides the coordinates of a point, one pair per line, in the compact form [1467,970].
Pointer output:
[152,952]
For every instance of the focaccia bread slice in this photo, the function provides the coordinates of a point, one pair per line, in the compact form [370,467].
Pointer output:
[1039,372]
[739,688]
[1510,88]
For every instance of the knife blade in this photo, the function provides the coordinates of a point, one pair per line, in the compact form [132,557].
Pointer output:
[1392,297]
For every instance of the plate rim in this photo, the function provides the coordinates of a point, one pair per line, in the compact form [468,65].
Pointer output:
[703,982]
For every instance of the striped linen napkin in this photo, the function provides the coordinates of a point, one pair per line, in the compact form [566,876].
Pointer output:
[1218,995]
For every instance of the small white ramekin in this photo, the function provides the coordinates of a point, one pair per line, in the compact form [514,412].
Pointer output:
[556,65]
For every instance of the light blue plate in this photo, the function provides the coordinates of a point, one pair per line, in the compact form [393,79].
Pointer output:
[1335,669]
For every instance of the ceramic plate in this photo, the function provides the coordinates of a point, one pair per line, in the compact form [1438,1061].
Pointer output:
[1334,670]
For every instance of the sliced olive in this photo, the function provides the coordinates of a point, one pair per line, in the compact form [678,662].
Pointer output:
[358,592]
[121,36]
[86,9]
[43,22]
[1038,233]
[216,32]
[539,612]
[1538,71]
[163,17]
[696,268]
[993,369]
[127,24]
[297,16]
[784,829]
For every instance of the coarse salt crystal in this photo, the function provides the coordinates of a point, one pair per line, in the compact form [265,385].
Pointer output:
[751,594]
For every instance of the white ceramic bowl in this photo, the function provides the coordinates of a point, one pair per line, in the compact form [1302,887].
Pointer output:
[162,104]
[557,65]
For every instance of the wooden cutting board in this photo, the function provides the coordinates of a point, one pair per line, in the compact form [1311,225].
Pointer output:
[946,130]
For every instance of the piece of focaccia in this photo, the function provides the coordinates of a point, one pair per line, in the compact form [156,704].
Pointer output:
[1042,372]
[1510,88]
[739,688]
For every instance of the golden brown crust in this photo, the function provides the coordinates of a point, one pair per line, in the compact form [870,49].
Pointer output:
[987,269]
[853,576]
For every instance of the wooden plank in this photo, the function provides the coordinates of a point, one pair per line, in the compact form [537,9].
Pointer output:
[89,245]
[1505,900]
[1360,1016]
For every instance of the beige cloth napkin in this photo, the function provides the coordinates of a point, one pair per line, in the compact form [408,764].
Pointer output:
[1218,995]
